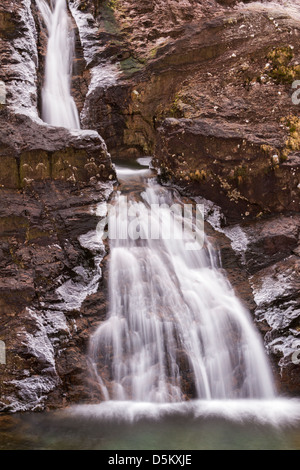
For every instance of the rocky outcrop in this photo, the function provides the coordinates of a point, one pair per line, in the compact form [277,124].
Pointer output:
[229,135]
[32,151]
[51,292]
[229,164]
[52,183]
[219,76]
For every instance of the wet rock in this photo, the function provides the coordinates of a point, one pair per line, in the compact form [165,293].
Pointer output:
[269,241]
[19,56]
[224,164]
[201,91]
[46,340]
[31,151]
[276,293]
[262,242]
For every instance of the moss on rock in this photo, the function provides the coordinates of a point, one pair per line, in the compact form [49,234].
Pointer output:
[283,71]
[34,165]
[293,142]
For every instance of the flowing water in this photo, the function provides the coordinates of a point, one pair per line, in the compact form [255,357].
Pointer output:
[58,106]
[175,328]
[178,350]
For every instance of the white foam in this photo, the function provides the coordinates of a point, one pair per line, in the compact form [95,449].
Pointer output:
[130,171]
[277,412]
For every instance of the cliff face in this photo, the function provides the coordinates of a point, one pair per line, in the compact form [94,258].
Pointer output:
[52,181]
[208,89]
[203,86]
[222,76]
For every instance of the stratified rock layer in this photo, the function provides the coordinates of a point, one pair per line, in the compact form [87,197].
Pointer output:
[32,151]
[52,292]
[52,180]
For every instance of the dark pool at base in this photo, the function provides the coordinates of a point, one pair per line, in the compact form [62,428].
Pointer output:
[55,431]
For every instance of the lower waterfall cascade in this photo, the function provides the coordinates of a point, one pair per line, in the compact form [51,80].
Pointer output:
[175,327]
[175,334]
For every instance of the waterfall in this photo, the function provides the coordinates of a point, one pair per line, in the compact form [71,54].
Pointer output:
[175,328]
[58,106]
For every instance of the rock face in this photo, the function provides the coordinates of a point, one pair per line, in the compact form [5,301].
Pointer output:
[52,181]
[209,92]
[19,55]
[207,88]
[227,164]
[51,292]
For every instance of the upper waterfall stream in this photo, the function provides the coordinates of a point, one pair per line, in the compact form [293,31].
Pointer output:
[175,329]
[58,106]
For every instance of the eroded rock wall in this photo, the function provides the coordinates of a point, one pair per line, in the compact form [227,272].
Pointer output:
[213,100]
[52,183]
[207,88]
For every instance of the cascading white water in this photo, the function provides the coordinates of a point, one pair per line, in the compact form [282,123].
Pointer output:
[58,106]
[175,326]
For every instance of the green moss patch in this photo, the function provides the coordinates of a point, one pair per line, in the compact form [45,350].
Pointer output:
[293,142]
[282,71]
[131,65]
